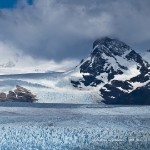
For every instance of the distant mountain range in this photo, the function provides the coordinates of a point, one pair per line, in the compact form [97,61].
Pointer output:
[121,75]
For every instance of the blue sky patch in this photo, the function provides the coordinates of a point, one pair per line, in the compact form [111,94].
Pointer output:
[11,3]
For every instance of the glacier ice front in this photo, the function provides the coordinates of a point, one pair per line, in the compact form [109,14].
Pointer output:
[54,138]
[74,127]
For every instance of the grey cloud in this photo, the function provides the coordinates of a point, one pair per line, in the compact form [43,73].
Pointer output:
[62,29]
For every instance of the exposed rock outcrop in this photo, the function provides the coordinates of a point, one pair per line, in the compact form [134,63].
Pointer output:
[20,94]
[2,96]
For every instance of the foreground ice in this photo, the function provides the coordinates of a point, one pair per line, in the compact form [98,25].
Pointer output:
[67,126]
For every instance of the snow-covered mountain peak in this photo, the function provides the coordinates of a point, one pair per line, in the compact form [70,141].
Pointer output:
[110,56]
[114,69]
[110,46]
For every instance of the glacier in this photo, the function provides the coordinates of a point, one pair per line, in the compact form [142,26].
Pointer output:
[74,127]
[49,87]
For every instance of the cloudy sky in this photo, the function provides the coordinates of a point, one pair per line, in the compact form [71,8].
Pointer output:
[64,30]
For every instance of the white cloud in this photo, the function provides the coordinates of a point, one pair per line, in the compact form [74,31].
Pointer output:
[13,61]
[58,30]
[48,28]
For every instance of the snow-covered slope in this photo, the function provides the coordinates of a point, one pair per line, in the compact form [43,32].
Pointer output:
[48,87]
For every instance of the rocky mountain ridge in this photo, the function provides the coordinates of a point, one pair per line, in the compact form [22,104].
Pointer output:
[119,73]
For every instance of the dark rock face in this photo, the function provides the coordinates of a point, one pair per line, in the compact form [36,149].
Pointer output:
[2,96]
[115,90]
[139,96]
[20,94]
[114,58]
[11,96]
[111,46]
[75,83]
[91,80]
